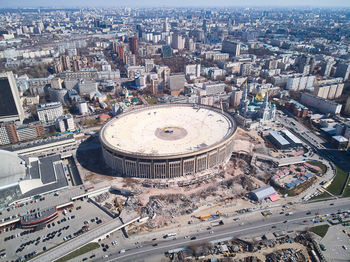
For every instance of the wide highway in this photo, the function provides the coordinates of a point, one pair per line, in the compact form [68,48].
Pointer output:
[300,218]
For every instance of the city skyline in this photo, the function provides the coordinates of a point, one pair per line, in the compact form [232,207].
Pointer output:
[174,131]
[180,3]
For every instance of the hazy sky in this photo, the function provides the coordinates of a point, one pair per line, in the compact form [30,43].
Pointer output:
[171,3]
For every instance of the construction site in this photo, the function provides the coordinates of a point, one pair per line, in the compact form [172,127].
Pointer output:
[287,247]
[218,191]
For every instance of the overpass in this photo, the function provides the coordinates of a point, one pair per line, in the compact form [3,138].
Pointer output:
[91,236]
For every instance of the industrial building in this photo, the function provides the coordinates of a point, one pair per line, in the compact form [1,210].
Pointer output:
[264,193]
[291,138]
[278,140]
[167,140]
[22,177]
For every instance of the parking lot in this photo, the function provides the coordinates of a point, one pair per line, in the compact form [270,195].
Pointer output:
[23,242]
[337,244]
[114,243]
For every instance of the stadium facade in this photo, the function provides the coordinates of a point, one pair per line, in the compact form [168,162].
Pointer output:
[167,141]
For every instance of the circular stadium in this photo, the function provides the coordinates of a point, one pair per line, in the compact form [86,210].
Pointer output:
[166,141]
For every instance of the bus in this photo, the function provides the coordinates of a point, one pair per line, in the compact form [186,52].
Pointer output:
[170,235]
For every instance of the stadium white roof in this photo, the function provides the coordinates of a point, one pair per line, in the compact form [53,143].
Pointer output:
[167,130]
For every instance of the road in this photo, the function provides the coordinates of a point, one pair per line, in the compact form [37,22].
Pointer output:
[253,226]
[78,242]
[340,158]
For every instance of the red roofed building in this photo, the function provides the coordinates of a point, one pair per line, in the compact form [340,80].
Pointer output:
[103,117]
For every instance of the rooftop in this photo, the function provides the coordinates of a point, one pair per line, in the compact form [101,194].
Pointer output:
[279,138]
[167,130]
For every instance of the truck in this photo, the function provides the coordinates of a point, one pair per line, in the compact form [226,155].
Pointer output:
[205,217]
[216,223]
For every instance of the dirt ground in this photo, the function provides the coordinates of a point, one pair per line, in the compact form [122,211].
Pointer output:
[219,192]
[261,254]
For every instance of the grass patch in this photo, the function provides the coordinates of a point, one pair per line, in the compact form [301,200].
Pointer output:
[152,100]
[320,230]
[337,185]
[318,164]
[78,252]
[91,122]
[346,192]
[321,196]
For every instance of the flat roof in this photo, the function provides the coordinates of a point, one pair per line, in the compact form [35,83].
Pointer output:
[291,136]
[47,174]
[340,138]
[38,215]
[169,129]
[280,139]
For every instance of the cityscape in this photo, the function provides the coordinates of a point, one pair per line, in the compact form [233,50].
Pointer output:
[163,131]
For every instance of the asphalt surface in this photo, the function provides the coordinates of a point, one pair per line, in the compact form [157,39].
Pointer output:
[77,242]
[237,228]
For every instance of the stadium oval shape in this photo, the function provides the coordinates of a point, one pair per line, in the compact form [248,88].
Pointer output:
[167,140]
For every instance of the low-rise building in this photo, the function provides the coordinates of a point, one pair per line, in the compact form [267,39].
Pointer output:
[49,111]
[263,193]
[296,108]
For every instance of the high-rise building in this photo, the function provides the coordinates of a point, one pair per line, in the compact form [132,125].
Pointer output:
[66,63]
[149,65]
[343,70]
[10,104]
[347,107]
[245,69]
[139,31]
[83,108]
[166,25]
[134,45]
[327,68]
[176,84]
[120,50]
[233,48]
[192,71]
[178,42]
[204,25]
[65,123]
[167,51]
[236,97]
